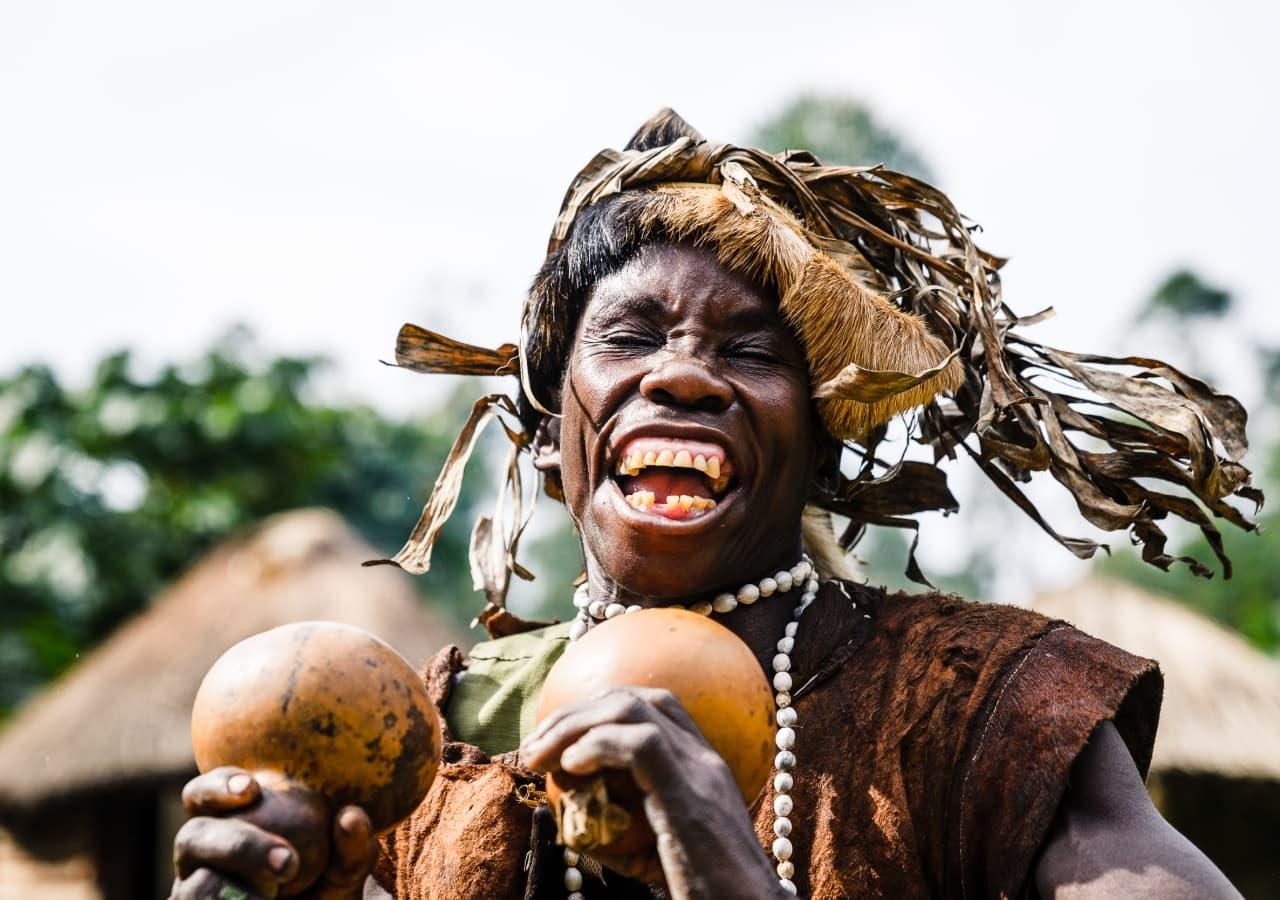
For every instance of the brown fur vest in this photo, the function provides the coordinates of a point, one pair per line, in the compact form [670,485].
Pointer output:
[937,739]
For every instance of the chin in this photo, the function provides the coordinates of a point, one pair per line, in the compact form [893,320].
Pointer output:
[660,558]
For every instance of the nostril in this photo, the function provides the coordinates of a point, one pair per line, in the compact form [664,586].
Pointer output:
[711,404]
[661,395]
[700,401]
[689,384]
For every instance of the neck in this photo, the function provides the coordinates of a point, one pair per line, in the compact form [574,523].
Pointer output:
[759,625]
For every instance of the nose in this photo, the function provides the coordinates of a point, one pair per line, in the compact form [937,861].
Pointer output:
[683,380]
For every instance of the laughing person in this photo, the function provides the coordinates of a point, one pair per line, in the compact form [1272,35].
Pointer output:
[714,332]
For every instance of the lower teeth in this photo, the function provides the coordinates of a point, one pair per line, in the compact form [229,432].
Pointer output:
[645,500]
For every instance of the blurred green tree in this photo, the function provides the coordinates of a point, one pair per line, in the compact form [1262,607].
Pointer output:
[108,493]
[838,130]
[1183,294]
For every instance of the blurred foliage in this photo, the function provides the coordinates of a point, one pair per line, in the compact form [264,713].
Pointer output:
[554,554]
[839,131]
[108,493]
[1185,295]
[1250,601]
[1271,375]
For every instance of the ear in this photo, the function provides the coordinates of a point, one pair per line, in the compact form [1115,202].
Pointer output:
[546,455]
[546,445]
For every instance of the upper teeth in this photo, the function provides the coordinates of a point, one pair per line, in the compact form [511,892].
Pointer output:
[681,459]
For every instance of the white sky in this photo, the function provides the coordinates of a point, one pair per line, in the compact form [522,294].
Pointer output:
[325,171]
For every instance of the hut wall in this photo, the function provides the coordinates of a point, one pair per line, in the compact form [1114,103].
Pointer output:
[111,845]
[125,842]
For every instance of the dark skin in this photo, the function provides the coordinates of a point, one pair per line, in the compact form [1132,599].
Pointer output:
[674,345]
[219,857]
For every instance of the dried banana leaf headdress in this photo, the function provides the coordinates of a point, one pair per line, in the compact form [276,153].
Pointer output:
[896,308]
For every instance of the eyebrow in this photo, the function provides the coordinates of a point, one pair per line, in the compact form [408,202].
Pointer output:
[616,308]
[753,319]
[642,304]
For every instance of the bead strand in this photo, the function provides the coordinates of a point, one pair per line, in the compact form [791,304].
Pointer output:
[592,611]
[785,740]
[572,875]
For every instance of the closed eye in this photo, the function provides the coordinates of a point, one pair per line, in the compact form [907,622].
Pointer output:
[754,353]
[751,352]
[627,340]
[632,339]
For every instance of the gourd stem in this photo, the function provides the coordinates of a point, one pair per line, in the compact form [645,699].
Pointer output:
[587,819]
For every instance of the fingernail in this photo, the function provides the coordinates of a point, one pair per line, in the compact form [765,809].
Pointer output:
[348,821]
[279,858]
[568,759]
[238,784]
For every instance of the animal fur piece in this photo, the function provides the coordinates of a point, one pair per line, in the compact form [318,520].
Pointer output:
[839,321]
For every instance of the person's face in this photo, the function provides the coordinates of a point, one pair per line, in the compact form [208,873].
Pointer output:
[681,368]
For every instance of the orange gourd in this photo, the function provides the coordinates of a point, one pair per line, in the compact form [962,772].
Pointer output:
[326,712]
[711,672]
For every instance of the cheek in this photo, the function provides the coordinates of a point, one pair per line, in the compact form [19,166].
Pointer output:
[792,424]
[575,433]
[598,382]
[590,392]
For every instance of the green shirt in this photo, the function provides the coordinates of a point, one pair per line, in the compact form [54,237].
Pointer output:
[493,705]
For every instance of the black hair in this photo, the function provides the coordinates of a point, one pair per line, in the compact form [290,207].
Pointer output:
[605,237]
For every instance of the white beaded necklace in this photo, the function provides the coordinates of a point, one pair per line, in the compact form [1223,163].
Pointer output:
[591,611]
[803,572]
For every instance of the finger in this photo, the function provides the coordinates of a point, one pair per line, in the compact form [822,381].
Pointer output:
[204,884]
[541,751]
[659,699]
[355,847]
[640,748]
[670,706]
[612,692]
[219,790]
[235,847]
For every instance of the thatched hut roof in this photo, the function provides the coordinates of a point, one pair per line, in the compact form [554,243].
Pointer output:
[1221,712]
[123,714]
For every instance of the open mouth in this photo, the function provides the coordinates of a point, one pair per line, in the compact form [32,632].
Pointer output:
[671,477]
